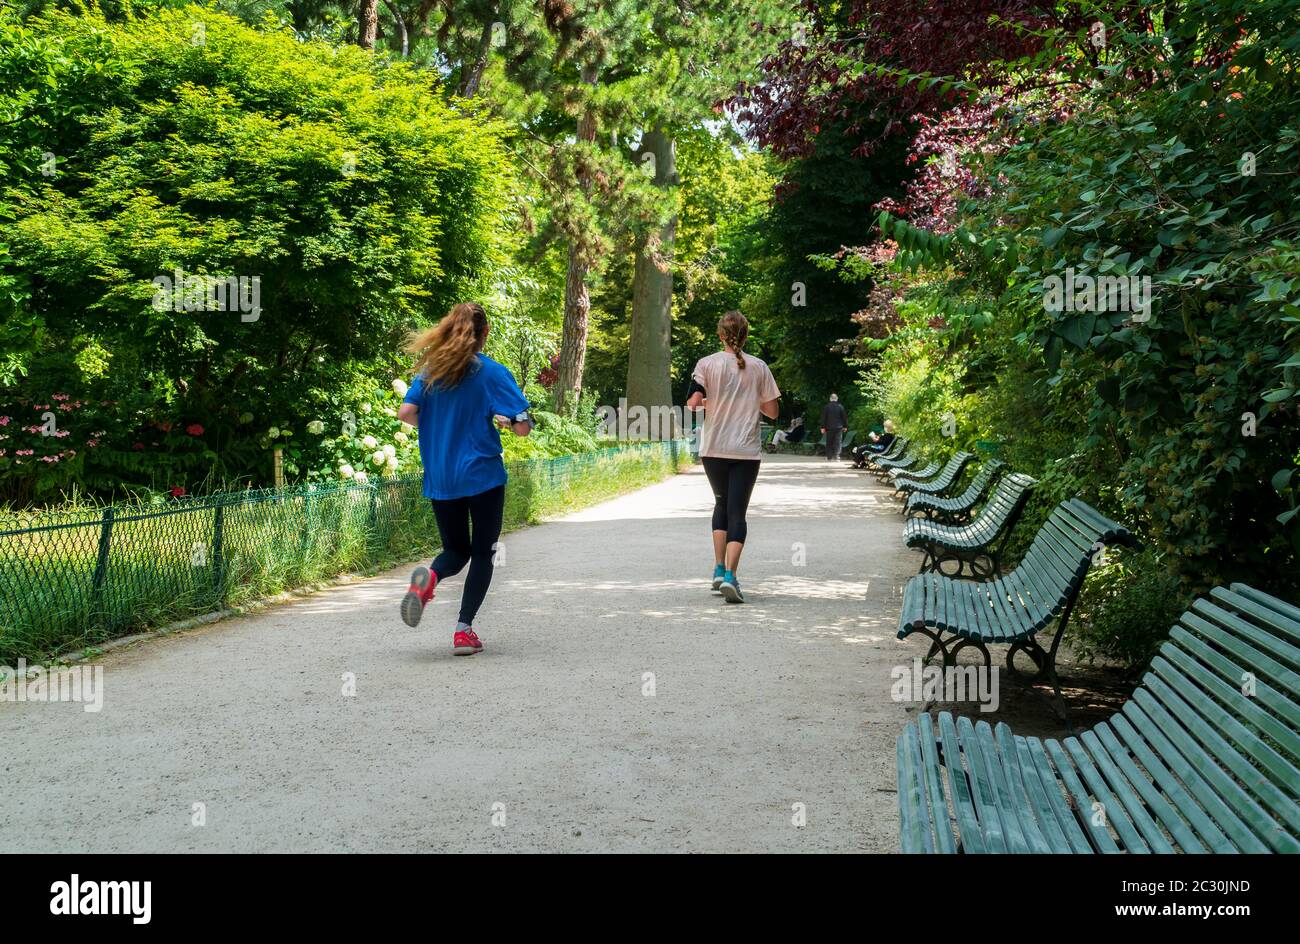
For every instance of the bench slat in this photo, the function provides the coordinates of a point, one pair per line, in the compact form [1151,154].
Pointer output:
[1152,835]
[1111,808]
[973,838]
[1066,816]
[1243,819]
[1165,772]
[936,801]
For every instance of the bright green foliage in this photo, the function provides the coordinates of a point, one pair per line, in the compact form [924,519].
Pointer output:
[363,203]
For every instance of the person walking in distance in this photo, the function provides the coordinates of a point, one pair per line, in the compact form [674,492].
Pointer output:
[835,423]
[732,388]
[458,398]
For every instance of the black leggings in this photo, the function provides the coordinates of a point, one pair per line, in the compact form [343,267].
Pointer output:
[459,548]
[733,482]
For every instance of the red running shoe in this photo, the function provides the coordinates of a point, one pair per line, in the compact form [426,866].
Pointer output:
[466,643]
[423,580]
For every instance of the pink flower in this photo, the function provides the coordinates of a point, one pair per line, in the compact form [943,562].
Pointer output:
[194,429]
[62,396]
[4,421]
[178,491]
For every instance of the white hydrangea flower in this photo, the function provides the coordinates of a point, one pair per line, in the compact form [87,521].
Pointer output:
[378,458]
[273,432]
[315,427]
[401,437]
[361,478]
[389,451]
[392,466]
[346,471]
[365,408]
[399,387]
[370,442]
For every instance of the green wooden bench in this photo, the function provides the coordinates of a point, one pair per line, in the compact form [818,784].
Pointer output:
[936,484]
[869,459]
[973,549]
[1012,610]
[1202,758]
[922,474]
[959,509]
[909,458]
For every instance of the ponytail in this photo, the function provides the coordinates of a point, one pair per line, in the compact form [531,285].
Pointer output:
[733,329]
[443,352]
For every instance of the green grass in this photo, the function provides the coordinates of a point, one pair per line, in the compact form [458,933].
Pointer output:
[161,564]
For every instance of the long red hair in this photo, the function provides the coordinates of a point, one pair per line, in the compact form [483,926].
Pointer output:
[443,352]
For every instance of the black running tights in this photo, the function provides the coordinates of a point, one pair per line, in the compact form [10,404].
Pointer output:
[733,482]
[460,548]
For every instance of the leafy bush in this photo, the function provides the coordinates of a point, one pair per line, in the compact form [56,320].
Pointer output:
[181,139]
[1178,419]
[1126,610]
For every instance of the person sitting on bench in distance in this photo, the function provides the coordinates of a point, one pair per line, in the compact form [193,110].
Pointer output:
[794,434]
[880,442]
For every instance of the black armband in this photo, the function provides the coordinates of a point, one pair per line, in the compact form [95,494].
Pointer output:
[695,388]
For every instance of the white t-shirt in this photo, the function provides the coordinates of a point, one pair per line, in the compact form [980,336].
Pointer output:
[730,428]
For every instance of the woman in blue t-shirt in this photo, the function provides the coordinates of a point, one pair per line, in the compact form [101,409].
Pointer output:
[458,398]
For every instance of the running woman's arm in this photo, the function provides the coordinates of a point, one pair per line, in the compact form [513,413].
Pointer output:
[509,407]
[769,395]
[520,427]
[695,395]
[409,411]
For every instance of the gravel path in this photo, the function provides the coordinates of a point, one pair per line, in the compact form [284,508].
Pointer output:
[619,705]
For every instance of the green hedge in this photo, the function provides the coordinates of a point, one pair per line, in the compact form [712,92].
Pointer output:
[71,579]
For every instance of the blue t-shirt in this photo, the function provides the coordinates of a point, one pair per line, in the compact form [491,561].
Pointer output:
[459,443]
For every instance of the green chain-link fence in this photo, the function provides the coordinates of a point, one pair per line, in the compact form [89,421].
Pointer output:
[68,579]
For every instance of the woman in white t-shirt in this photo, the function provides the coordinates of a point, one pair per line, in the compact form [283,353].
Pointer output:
[732,388]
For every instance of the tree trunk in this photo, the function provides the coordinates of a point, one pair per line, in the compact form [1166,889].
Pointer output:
[649,361]
[402,32]
[577,300]
[469,82]
[368,24]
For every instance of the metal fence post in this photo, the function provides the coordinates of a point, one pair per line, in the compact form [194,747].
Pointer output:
[218,551]
[372,521]
[101,562]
